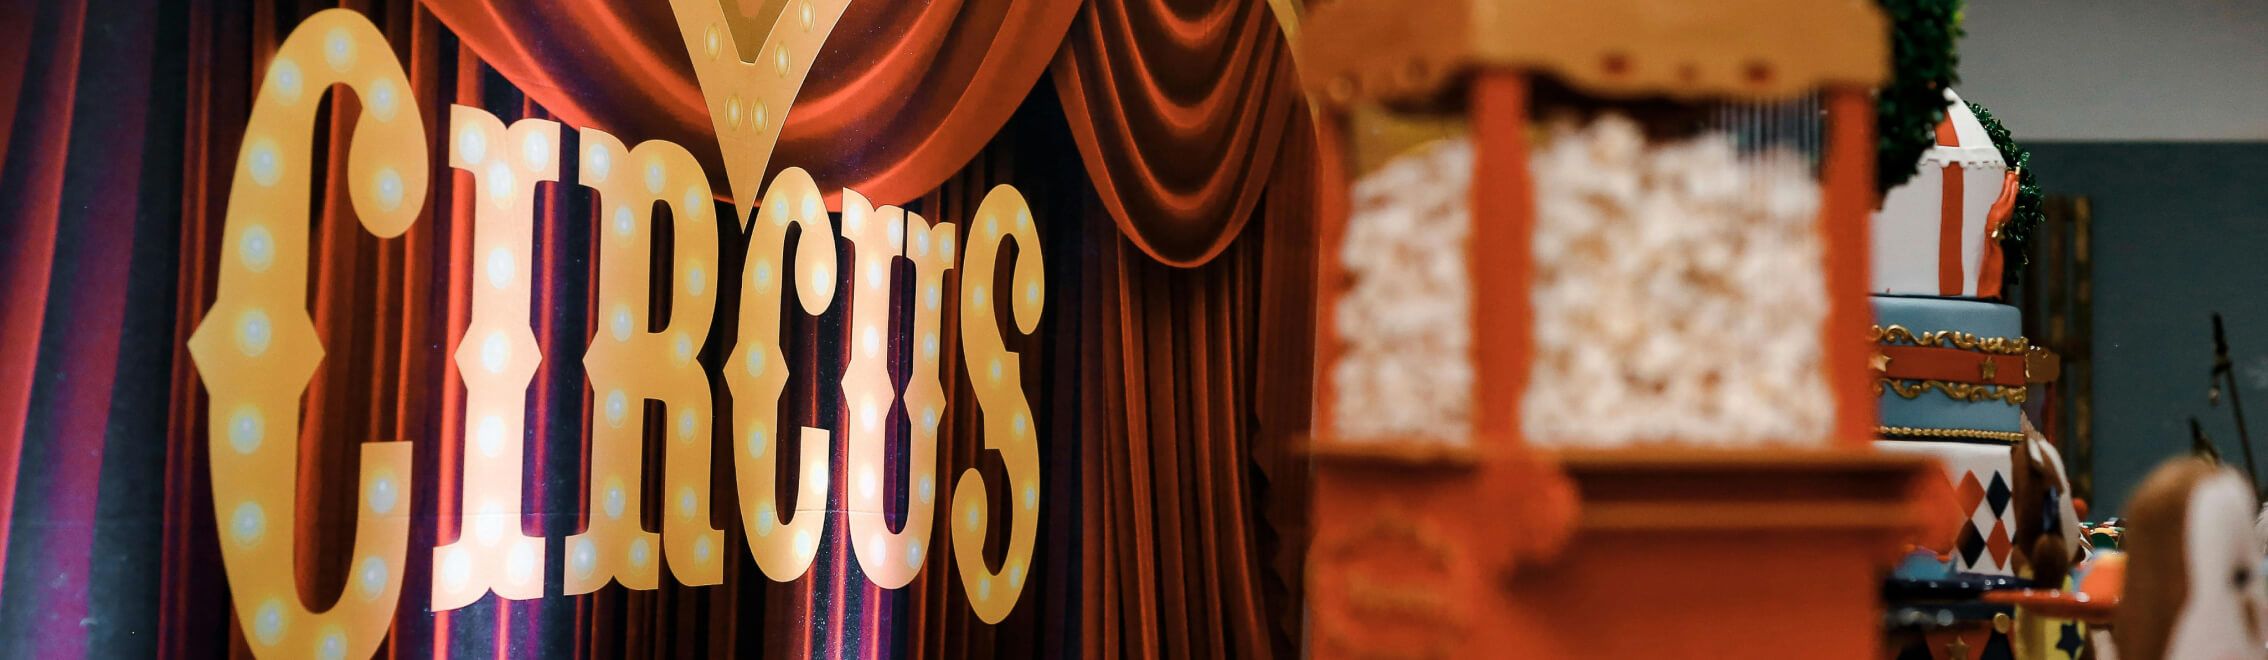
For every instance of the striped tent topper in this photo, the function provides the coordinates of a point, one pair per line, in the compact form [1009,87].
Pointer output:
[1933,234]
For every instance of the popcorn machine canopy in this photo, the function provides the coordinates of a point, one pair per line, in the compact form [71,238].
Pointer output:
[1398,53]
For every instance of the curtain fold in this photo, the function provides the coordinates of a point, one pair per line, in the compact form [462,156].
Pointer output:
[1178,108]
[1171,393]
[621,65]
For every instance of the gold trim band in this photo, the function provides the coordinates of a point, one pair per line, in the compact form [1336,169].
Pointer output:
[1962,340]
[2013,395]
[2010,437]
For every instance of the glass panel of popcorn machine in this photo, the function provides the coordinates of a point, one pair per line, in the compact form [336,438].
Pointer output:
[1677,293]
[1403,325]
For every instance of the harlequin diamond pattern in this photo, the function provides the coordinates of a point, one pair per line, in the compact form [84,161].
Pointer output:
[1969,491]
[1998,494]
[1999,542]
[1971,544]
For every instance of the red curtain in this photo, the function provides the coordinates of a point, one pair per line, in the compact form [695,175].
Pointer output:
[1172,383]
[621,65]
[1178,108]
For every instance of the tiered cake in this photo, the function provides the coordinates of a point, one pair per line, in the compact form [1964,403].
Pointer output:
[1950,361]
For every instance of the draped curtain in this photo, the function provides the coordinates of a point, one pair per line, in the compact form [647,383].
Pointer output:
[1170,374]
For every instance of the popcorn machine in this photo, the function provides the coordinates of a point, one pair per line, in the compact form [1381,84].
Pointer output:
[1593,315]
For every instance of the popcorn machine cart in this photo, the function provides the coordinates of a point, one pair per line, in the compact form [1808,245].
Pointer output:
[1593,313]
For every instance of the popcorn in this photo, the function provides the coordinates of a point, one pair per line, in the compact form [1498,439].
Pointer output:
[1404,322]
[1678,293]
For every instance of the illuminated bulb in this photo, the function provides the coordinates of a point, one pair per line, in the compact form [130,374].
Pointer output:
[686,501]
[685,424]
[972,516]
[268,622]
[806,15]
[1031,496]
[897,235]
[1019,424]
[853,217]
[595,163]
[996,369]
[615,500]
[1016,574]
[761,275]
[338,49]
[495,352]
[815,480]
[811,209]
[257,248]
[472,144]
[874,273]
[617,406]
[732,110]
[500,182]
[803,545]
[585,557]
[382,493]
[695,202]
[929,418]
[285,75]
[866,485]
[456,569]
[756,442]
[1023,219]
[490,526]
[871,415]
[874,545]
[759,122]
[620,327]
[945,247]
[537,149]
[978,297]
[780,59]
[250,523]
[500,267]
[991,226]
[873,340]
[696,279]
[654,178]
[252,332]
[935,297]
[1031,292]
[819,279]
[929,345]
[491,436]
[921,243]
[764,517]
[928,489]
[520,565]
[333,646]
[755,361]
[245,429]
[623,222]
[684,347]
[267,164]
[701,549]
[713,43]
[373,577]
[382,99]
[983,588]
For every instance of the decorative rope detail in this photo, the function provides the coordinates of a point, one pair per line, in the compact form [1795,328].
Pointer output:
[2013,395]
[2010,437]
[1962,340]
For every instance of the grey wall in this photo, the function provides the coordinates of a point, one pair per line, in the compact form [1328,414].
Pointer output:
[2120,69]
[2180,231]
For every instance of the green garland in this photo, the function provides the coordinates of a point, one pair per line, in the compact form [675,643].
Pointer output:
[2016,237]
[1923,63]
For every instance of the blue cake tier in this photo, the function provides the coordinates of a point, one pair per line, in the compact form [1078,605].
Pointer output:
[1951,323]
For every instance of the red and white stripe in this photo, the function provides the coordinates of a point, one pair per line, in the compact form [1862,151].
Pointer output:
[1930,236]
